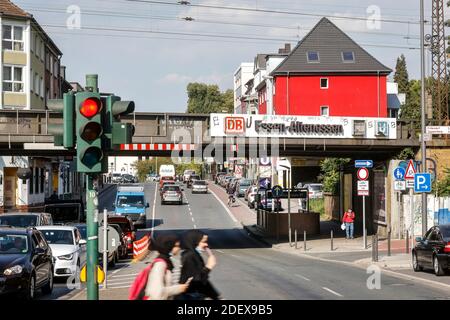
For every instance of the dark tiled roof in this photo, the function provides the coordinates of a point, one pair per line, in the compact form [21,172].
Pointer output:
[329,41]
[9,8]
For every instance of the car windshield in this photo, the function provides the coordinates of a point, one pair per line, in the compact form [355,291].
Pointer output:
[54,236]
[171,188]
[245,182]
[13,244]
[116,175]
[130,201]
[200,183]
[445,231]
[19,221]
[193,177]
[64,213]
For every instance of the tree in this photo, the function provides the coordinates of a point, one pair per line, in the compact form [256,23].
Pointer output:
[204,98]
[442,187]
[401,75]
[330,173]
[411,109]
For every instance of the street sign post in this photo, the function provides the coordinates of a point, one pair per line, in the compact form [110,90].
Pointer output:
[422,183]
[363,164]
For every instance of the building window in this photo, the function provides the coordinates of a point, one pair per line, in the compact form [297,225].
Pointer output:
[13,38]
[32,181]
[31,80]
[42,180]
[12,79]
[36,84]
[323,83]
[36,180]
[42,88]
[348,56]
[313,56]
[325,111]
[37,49]
[42,51]
[32,43]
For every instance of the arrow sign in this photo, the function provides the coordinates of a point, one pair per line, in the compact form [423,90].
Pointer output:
[410,171]
[363,164]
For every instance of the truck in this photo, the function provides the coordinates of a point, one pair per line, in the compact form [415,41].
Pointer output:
[167,170]
[130,201]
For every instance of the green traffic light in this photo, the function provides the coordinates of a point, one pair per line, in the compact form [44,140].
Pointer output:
[91,156]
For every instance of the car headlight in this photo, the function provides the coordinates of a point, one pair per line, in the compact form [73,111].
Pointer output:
[66,257]
[13,270]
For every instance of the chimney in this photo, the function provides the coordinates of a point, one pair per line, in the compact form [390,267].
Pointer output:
[286,49]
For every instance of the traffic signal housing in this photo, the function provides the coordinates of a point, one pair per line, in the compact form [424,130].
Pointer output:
[63,134]
[90,121]
[120,133]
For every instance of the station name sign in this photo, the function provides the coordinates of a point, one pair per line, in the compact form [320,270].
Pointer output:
[274,126]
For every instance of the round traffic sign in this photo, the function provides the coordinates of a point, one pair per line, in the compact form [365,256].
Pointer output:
[363,174]
[277,191]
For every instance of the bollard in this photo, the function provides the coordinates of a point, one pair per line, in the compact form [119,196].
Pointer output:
[376,247]
[407,241]
[295,238]
[332,240]
[290,237]
[389,243]
[304,240]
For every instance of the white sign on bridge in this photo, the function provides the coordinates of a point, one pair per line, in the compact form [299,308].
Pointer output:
[438,129]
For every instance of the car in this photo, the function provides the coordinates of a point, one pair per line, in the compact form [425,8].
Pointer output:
[68,249]
[26,219]
[199,186]
[315,190]
[242,186]
[128,178]
[131,201]
[126,224]
[165,179]
[167,183]
[432,251]
[122,251]
[172,193]
[192,178]
[116,177]
[218,177]
[153,177]
[26,262]
[266,202]
[225,181]
[187,174]
[252,191]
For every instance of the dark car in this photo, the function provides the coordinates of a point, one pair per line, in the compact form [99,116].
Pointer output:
[266,201]
[26,262]
[122,250]
[126,224]
[128,178]
[242,186]
[192,177]
[25,219]
[433,250]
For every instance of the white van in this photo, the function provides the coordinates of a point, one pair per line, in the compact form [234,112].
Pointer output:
[167,170]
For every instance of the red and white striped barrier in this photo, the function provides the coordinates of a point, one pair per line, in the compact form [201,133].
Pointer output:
[140,247]
[158,147]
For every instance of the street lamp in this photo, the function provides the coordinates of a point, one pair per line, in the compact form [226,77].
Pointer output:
[422,106]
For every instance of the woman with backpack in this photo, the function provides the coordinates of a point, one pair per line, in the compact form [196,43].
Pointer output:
[193,267]
[159,284]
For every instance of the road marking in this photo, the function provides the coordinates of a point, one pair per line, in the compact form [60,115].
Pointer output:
[126,275]
[220,251]
[112,287]
[225,207]
[195,227]
[192,218]
[115,271]
[234,255]
[333,292]
[304,278]
[153,213]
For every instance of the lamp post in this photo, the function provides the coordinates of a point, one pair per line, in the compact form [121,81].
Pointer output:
[422,107]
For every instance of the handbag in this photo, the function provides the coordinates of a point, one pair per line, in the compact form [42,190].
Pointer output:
[343,226]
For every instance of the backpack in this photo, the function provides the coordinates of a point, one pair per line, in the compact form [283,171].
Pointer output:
[137,289]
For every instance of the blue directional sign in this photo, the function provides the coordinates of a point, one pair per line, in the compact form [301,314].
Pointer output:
[399,173]
[422,182]
[363,164]
[277,191]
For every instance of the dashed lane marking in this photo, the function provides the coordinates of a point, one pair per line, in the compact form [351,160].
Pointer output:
[220,251]
[304,278]
[333,292]
[195,227]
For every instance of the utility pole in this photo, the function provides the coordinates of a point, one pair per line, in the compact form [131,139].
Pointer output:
[422,107]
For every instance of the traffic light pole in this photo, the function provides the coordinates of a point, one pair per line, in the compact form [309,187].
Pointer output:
[92,235]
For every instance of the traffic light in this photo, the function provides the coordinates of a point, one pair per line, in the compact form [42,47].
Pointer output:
[63,133]
[89,130]
[120,133]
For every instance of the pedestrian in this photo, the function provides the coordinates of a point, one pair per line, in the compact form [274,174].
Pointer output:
[348,219]
[193,266]
[159,283]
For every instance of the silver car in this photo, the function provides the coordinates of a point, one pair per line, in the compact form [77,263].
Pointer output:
[199,186]
[315,190]
[172,193]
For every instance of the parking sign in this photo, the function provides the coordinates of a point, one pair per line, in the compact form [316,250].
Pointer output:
[422,182]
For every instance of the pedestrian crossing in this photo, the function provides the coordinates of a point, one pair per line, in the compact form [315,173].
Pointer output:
[123,277]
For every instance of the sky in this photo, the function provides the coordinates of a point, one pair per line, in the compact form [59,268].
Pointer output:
[145,51]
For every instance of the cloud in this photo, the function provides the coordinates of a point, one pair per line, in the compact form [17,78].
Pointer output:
[175,78]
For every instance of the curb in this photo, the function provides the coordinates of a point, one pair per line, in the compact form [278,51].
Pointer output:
[256,236]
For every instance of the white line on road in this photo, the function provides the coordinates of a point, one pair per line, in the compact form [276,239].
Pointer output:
[154,212]
[192,219]
[304,278]
[115,271]
[120,287]
[126,275]
[119,283]
[333,292]
[225,207]
[195,227]
[220,251]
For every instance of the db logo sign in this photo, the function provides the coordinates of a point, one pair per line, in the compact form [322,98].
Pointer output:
[234,125]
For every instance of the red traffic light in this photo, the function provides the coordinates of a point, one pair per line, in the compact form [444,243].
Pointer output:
[90,107]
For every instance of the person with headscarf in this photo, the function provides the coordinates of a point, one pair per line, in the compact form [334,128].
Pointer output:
[159,283]
[194,267]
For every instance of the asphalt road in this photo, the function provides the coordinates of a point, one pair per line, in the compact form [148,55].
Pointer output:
[248,270]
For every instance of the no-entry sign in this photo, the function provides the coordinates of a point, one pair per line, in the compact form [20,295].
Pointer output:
[363,174]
